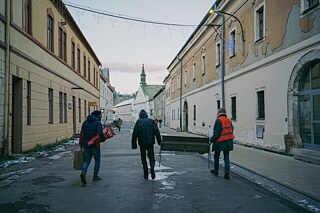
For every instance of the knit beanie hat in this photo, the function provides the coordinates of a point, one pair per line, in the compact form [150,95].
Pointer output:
[221,111]
[96,113]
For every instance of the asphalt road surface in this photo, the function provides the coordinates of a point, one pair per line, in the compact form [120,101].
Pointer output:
[183,184]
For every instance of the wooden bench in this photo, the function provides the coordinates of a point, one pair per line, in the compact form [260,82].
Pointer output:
[185,144]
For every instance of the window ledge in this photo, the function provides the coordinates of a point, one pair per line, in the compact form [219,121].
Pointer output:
[307,11]
[259,40]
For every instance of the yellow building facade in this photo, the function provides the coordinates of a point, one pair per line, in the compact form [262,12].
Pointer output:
[52,75]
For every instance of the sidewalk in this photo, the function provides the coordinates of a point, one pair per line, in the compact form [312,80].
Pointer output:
[284,170]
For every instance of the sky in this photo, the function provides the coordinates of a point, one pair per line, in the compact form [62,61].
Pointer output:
[123,46]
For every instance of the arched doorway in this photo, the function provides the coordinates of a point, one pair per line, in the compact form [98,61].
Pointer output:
[185,116]
[309,105]
[304,103]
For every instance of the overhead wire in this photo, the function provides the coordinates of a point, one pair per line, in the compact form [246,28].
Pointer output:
[124,17]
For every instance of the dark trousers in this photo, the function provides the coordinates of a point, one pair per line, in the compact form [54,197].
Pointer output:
[143,152]
[226,161]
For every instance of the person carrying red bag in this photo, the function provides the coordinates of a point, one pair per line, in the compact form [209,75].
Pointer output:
[90,128]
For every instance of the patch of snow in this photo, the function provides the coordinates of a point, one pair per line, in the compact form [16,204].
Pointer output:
[73,141]
[8,163]
[17,173]
[57,156]
[173,197]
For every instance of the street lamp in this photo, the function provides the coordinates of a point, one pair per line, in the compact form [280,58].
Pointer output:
[220,13]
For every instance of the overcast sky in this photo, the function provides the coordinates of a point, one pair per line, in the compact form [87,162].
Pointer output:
[123,46]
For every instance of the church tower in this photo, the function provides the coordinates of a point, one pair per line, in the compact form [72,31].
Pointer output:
[143,77]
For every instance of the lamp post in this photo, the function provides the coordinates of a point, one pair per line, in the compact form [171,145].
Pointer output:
[220,13]
[222,59]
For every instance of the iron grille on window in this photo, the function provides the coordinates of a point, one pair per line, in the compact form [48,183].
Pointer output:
[233,108]
[261,107]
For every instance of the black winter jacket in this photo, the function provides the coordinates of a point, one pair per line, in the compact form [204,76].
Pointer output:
[145,130]
[90,128]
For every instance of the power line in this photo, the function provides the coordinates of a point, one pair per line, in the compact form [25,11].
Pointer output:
[125,17]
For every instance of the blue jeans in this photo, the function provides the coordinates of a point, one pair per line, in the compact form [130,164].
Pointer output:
[88,153]
[226,161]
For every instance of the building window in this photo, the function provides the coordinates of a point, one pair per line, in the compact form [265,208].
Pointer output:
[261,105]
[84,66]
[50,101]
[194,112]
[232,43]
[173,86]
[203,64]
[178,115]
[60,42]
[28,103]
[85,111]
[64,46]
[259,23]
[89,71]
[233,108]
[218,104]
[185,77]
[50,33]
[79,107]
[307,5]
[78,60]
[65,107]
[73,55]
[218,54]
[194,71]
[97,78]
[94,76]
[60,107]
[27,16]
[179,83]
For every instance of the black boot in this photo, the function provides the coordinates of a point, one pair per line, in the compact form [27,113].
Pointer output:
[153,174]
[145,171]
[83,178]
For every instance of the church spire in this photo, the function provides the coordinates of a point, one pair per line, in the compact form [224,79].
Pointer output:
[143,77]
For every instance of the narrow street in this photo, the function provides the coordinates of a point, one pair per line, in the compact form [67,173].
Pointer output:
[183,184]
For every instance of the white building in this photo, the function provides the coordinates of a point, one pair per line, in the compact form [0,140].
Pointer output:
[124,110]
[144,97]
[106,96]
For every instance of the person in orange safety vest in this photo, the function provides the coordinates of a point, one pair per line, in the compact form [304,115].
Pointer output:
[222,140]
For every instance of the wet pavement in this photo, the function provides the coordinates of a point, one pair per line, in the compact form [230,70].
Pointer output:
[183,184]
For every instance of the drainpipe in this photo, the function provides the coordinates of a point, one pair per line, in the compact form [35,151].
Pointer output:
[5,144]
[180,111]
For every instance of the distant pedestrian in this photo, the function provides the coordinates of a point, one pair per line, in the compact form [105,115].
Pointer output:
[156,121]
[145,130]
[119,124]
[90,128]
[222,140]
[160,121]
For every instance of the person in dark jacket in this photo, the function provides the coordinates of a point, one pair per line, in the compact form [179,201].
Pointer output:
[90,128]
[145,130]
[222,140]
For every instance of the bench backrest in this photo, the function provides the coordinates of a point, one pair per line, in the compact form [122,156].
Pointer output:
[185,144]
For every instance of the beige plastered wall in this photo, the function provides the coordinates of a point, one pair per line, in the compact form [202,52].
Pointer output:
[45,70]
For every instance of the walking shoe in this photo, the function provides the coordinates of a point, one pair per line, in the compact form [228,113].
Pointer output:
[153,175]
[83,178]
[96,178]
[214,172]
[145,177]
[226,176]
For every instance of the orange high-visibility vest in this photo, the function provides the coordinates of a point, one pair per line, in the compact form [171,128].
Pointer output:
[227,133]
